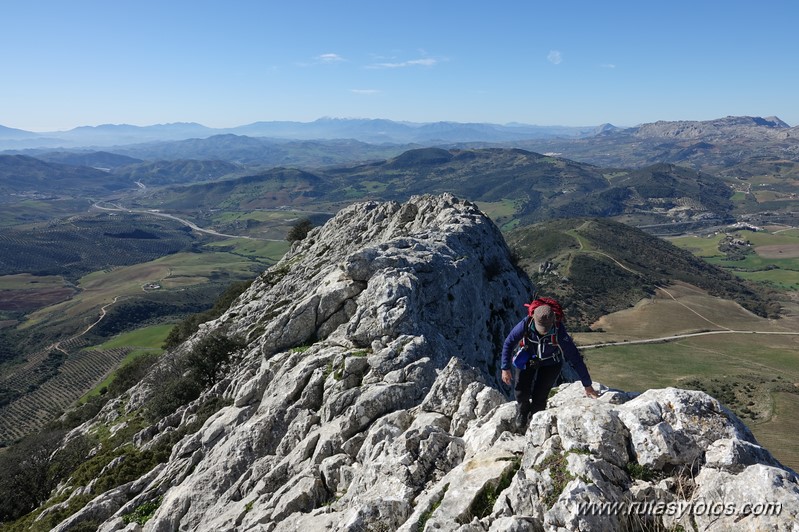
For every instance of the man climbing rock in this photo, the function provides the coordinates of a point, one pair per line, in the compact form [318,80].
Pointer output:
[537,347]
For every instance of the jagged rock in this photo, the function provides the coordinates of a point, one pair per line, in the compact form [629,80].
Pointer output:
[734,455]
[675,427]
[368,398]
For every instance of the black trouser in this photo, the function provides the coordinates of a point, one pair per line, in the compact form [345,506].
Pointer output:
[532,388]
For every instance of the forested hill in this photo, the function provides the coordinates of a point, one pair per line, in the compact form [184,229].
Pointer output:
[532,187]
[20,174]
[598,266]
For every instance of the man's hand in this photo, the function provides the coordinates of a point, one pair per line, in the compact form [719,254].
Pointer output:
[590,392]
[507,376]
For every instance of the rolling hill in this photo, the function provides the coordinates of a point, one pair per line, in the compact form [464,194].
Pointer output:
[161,173]
[20,174]
[599,266]
[534,187]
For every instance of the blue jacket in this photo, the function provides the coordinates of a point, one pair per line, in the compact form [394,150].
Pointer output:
[548,349]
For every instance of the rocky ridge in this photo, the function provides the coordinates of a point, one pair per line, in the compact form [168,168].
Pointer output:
[728,128]
[367,398]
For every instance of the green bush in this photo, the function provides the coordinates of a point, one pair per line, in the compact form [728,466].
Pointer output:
[299,230]
[174,391]
[210,358]
[26,479]
[185,379]
[143,512]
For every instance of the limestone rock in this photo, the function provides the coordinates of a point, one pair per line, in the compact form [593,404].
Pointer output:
[368,398]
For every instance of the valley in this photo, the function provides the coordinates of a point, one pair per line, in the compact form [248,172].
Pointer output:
[686,300]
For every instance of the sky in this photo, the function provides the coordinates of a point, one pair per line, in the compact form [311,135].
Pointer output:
[70,63]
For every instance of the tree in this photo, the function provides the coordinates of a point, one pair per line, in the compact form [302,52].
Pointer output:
[27,478]
[209,359]
[299,230]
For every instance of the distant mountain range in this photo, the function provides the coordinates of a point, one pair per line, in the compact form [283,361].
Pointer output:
[730,146]
[665,176]
[374,131]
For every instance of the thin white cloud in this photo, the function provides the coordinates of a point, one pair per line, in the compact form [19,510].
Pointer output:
[554,57]
[607,65]
[365,91]
[424,62]
[330,58]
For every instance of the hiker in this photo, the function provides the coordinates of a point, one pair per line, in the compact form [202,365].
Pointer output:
[540,342]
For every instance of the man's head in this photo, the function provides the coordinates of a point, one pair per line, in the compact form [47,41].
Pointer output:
[543,319]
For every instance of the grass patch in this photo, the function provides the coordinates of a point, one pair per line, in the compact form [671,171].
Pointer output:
[499,211]
[429,512]
[268,251]
[639,472]
[145,341]
[145,338]
[560,475]
[707,246]
[485,500]
[787,280]
[778,434]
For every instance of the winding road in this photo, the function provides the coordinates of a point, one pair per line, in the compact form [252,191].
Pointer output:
[192,225]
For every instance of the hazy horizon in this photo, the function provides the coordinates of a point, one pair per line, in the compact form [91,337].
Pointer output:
[572,64]
[507,124]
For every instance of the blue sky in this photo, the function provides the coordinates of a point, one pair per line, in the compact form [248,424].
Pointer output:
[234,62]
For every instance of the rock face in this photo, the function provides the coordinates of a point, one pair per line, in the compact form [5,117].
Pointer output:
[368,399]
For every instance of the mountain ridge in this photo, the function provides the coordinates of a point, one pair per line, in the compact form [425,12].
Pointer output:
[376,131]
[354,399]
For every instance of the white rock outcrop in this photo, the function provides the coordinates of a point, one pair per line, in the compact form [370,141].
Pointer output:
[368,399]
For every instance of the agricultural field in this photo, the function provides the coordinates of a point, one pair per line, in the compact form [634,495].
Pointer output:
[771,257]
[139,342]
[128,305]
[172,272]
[261,224]
[25,292]
[503,213]
[755,374]
[265,252]
[24,212]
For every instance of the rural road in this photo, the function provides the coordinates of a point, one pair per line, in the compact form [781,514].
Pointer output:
[680,336]
[192,225]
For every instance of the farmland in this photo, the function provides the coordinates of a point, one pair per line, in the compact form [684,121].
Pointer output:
[127,278]
[770,256]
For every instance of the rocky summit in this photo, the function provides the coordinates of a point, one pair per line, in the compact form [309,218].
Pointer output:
[367,398]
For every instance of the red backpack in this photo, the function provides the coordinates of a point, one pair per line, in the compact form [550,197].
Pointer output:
[522,356]
[537,302]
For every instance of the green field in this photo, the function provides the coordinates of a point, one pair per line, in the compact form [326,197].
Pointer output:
[262,251]
[147,338]
[701,246]
[772,259]
[24,281]
[141,341]
[503,213]
[170,272]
